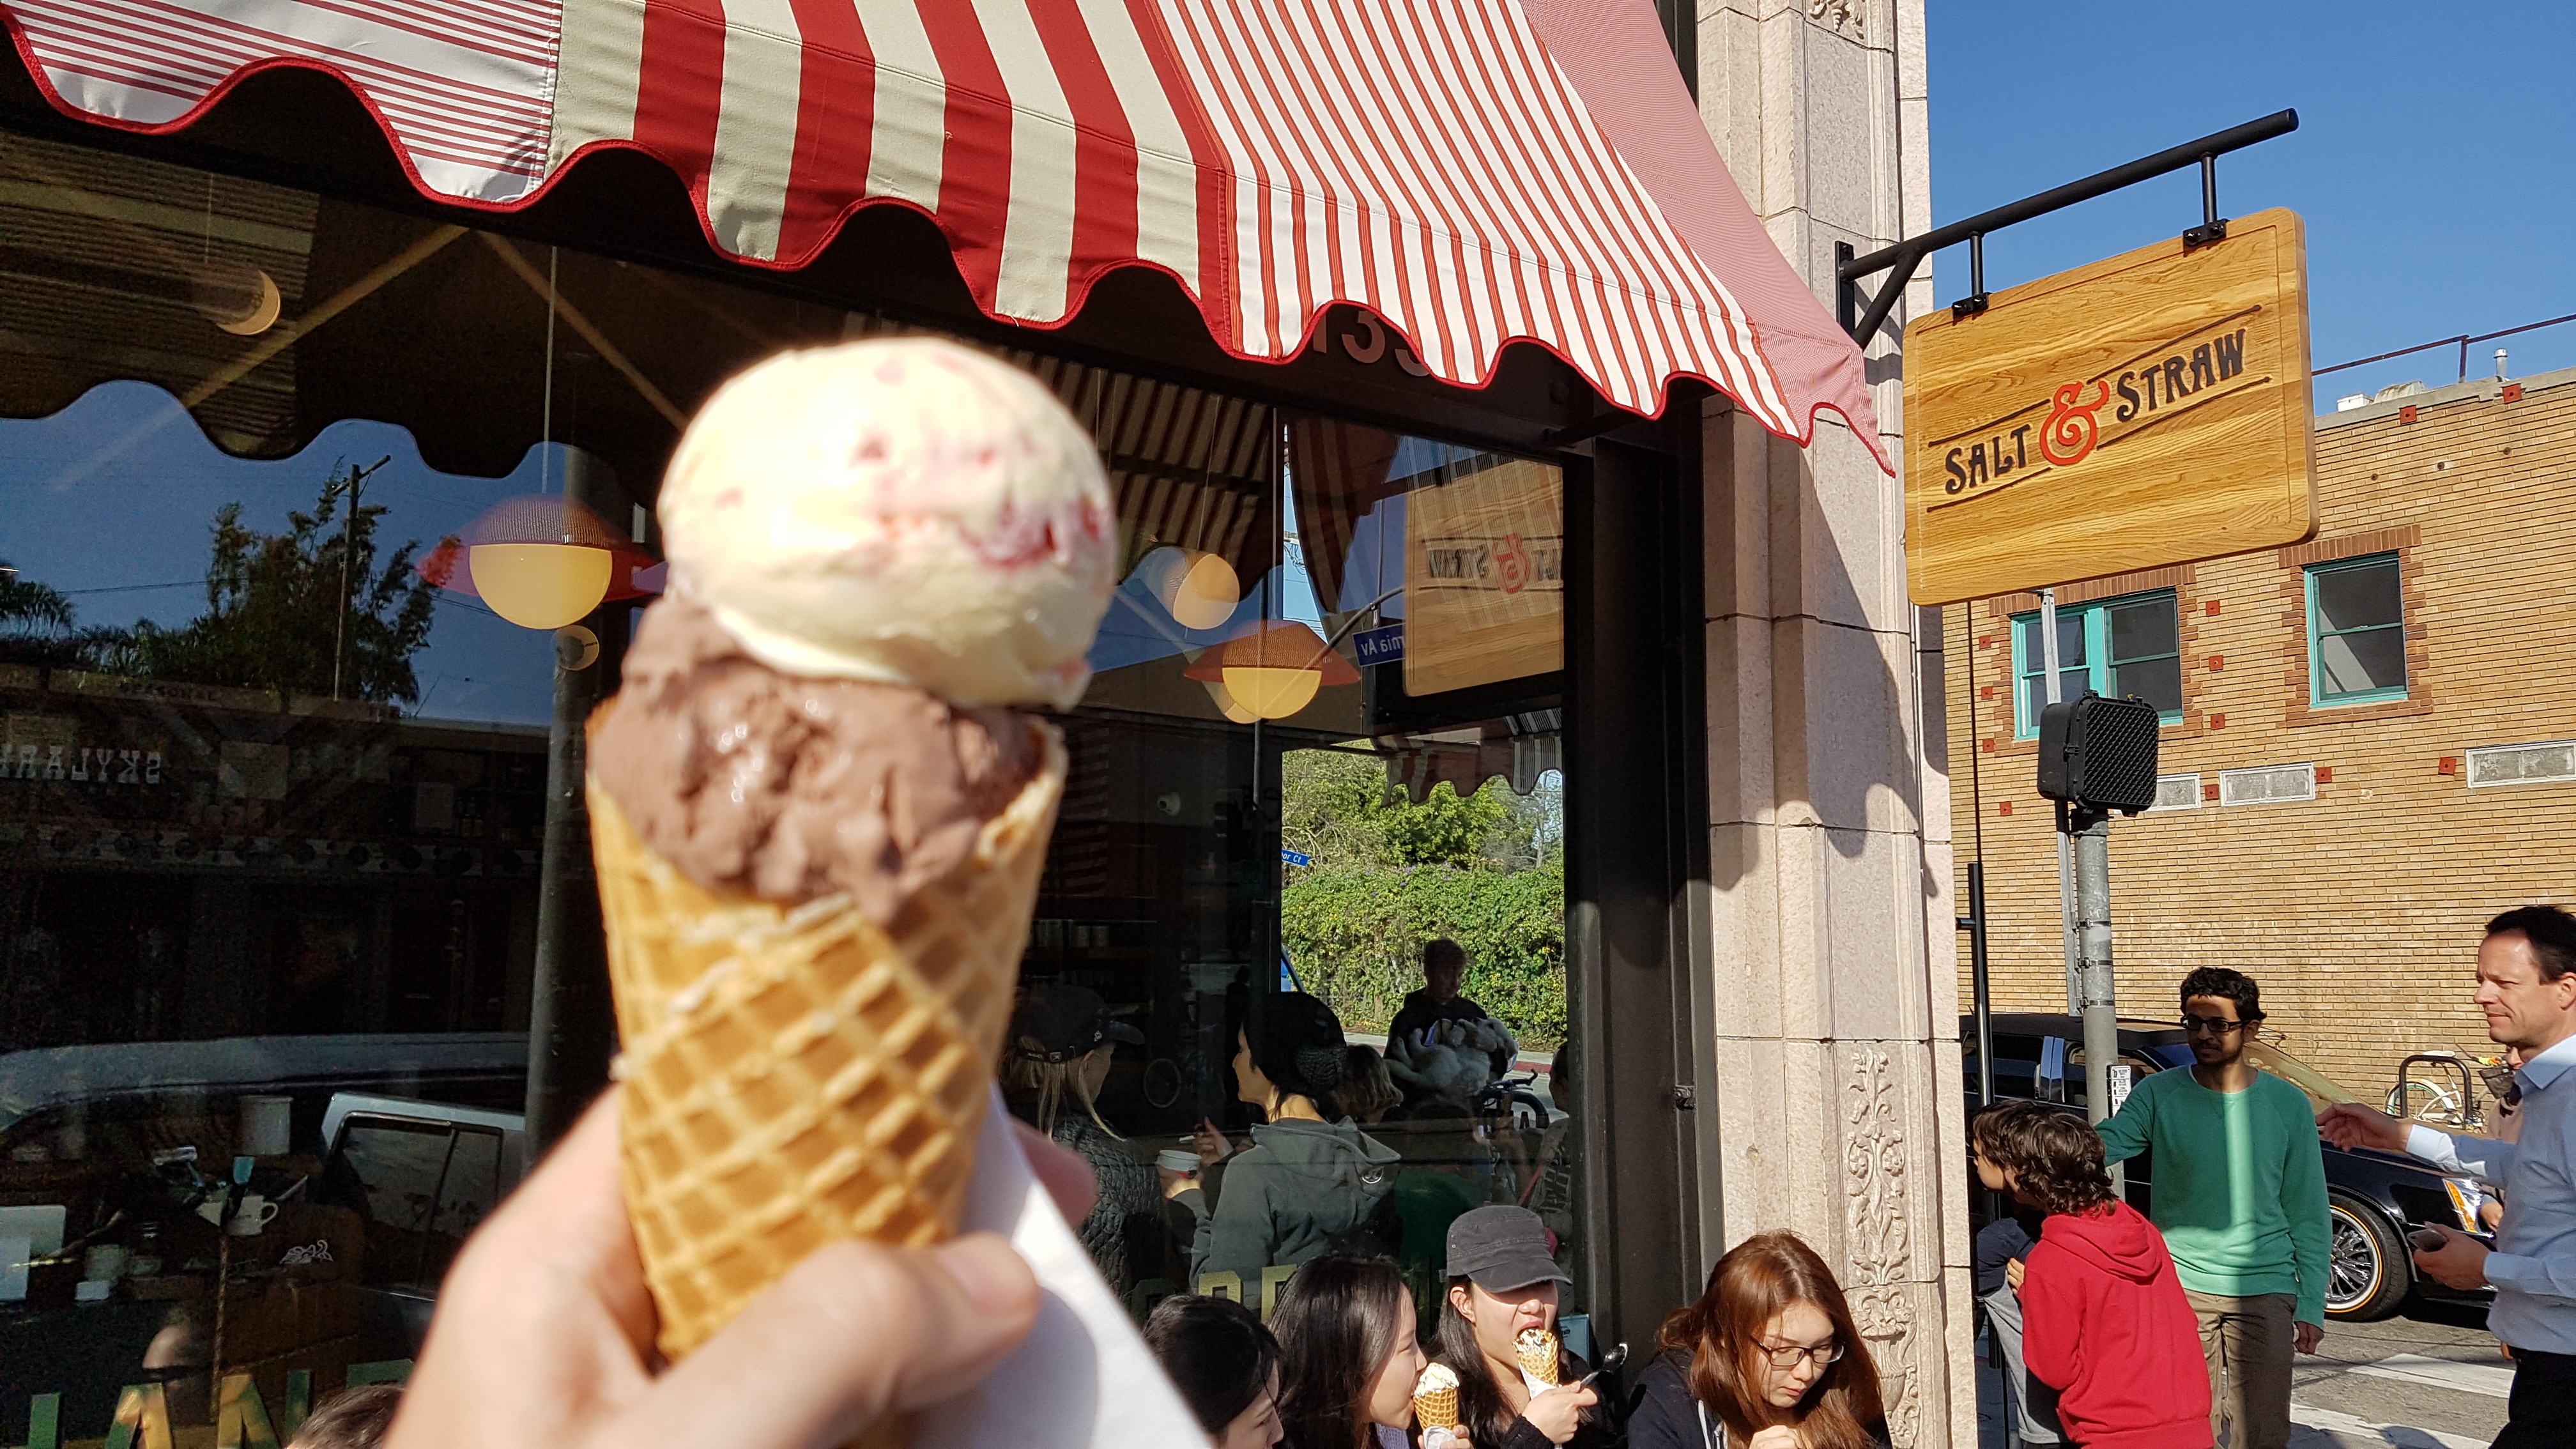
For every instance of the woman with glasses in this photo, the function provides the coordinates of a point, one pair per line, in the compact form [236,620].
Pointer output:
[1766,1359]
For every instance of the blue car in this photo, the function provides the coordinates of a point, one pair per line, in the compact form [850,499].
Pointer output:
[2372,1198]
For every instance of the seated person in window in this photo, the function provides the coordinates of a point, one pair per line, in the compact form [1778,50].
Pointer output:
[1059,1048]
[1444,977]
[1307,1185]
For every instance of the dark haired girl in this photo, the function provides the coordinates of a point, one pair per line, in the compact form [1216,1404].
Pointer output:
[1225,1364]
[1306,1181]
[1503,1284]
[1768,1358]
[1346,1331]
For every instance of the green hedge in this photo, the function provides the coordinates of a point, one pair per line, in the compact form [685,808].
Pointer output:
[1355,935]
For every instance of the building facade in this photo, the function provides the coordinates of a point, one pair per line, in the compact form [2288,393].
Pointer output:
[2367,742]
[252,856]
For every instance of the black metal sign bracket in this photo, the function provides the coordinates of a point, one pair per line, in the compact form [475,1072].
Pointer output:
[1900,260]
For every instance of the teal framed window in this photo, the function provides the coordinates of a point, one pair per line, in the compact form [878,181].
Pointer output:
[2356,631]
[2116,647]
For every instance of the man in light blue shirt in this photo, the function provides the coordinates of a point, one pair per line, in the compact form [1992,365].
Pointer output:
[2527,988]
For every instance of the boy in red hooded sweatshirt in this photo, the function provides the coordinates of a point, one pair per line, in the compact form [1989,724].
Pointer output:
[2104,1320]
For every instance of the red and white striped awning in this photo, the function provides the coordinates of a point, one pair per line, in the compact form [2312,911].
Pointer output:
[1475,172]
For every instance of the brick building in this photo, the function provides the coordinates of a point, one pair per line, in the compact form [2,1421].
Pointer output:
[2368,736]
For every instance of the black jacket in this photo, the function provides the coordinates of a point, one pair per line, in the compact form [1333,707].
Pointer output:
[1665,1416]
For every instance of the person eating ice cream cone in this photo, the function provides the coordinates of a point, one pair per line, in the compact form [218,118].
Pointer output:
[1517,1387]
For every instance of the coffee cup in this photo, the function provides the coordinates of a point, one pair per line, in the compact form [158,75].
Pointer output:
[103,1263]
[251,1217]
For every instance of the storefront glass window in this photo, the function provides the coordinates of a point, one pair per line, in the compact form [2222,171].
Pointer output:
[322,524]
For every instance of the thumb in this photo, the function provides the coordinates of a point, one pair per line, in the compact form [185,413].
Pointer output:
[852,1334]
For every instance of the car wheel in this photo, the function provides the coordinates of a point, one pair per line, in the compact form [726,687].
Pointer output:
[2367,1270]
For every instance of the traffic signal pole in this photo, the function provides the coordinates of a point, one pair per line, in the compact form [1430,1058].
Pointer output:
[2089,830]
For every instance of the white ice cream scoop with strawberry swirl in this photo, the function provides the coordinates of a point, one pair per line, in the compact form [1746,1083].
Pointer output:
[903,510]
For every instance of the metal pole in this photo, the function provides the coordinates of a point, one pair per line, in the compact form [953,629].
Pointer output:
[1976,924]
[2092,833]
[571,1025]
[2053,694]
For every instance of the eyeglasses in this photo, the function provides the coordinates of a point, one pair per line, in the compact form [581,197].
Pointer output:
[1787,1355]
[2212,1025]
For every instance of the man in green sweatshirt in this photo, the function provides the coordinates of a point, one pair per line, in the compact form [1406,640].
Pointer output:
[2240,1195]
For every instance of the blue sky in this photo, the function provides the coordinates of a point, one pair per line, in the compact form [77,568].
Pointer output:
[2433,161]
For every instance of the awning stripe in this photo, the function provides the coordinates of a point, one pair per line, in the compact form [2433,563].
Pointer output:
[1474,172]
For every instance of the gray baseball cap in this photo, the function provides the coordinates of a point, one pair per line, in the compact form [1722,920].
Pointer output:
[1500,1248]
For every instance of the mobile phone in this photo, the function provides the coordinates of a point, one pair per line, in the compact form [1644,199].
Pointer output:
[1610,1361]
[2426,1239]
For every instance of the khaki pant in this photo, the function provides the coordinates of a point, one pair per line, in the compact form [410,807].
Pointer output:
[2248,1344]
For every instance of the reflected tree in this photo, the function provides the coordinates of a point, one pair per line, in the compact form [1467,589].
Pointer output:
[315,610]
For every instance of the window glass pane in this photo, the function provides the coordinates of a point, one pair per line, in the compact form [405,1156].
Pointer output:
[392,1174]
[2359,597]
[2141,629]
[2157,681]
[2358,663]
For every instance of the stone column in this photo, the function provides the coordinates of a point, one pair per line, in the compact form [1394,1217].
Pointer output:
[1834,1003]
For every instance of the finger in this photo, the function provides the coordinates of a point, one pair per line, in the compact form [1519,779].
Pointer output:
[1066,1177]
[855,1332]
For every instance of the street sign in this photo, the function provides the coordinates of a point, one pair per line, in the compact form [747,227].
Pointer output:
[2143,411]
[1291,857]
[1379,646]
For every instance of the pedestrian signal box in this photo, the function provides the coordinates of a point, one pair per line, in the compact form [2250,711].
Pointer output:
[2099,752]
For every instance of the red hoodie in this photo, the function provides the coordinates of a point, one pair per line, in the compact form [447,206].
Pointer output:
[2104,1322]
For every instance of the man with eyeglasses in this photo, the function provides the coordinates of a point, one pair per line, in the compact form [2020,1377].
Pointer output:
[2240,1195]
[2527,991]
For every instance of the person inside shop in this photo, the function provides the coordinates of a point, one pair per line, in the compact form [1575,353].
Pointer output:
[1503,1284]
[1306,1185]
[1768,1358]
[1445,1174]
[1367,1093]
[1053,1066]
[1444,979]
[1348,1335]
[1226,1365]
[544,1333]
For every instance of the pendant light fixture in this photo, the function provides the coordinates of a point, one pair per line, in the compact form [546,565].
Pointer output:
[1272,669]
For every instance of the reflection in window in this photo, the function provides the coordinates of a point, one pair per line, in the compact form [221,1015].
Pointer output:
[2356,631]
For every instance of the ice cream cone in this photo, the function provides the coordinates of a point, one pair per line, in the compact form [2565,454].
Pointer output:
[1436,1410]
[797,1074]
[1536,1349]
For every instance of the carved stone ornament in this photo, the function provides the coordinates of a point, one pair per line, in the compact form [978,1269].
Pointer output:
[1879,1238]
[1842,17]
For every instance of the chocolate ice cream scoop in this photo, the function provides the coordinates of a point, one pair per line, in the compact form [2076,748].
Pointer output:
[792,788]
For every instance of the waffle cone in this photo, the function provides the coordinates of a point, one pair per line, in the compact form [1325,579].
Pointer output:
[1436,1410]
[796,1075]
[1538,1360]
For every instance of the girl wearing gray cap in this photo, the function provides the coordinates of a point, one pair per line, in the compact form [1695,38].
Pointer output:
[1503,1294]
[1306,1182]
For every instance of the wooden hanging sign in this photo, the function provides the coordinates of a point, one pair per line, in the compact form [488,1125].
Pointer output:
[2146,410]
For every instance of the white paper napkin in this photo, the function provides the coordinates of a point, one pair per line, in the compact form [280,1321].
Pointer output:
[1084,1378]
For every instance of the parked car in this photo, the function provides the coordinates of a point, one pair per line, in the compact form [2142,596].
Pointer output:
[2372,1197]
[420,1176]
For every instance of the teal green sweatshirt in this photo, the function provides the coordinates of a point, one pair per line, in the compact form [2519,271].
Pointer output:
[2239,1184]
